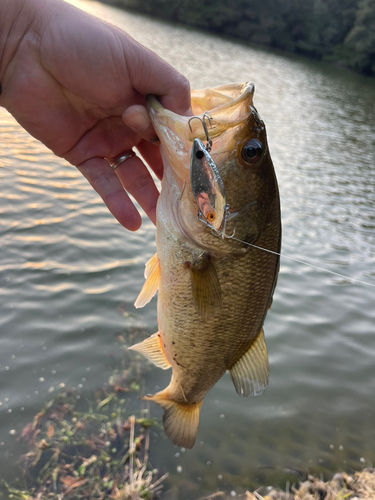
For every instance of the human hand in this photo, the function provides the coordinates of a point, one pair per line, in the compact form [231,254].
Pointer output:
[68,81]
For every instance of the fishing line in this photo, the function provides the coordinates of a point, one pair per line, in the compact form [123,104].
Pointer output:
[195,161]
[305,263]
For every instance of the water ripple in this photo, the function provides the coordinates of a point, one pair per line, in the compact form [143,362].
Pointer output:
[68,270]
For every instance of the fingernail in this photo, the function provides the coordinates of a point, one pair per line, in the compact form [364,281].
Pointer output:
[138,121]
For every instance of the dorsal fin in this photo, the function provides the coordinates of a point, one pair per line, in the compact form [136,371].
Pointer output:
[153,350]
[206,289]
[151,285]
[250,373]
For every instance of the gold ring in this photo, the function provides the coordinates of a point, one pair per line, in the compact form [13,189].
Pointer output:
[115,162]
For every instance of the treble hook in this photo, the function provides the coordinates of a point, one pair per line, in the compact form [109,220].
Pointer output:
[208,146]
[216,232]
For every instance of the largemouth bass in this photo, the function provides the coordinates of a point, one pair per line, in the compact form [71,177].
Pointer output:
[214,288]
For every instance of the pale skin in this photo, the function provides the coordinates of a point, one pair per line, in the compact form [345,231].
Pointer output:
[79,85]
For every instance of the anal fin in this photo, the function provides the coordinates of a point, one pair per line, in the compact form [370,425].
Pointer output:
[180,421]
[151,285]
[250,373]
[152,349]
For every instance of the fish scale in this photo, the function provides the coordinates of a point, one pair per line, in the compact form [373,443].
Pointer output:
[214,290]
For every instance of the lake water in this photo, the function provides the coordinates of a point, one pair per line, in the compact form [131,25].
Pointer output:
[68,271]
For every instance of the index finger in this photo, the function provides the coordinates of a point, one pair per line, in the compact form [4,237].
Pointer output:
[152,75]
[178,97]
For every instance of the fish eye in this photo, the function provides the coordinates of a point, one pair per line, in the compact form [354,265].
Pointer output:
[199,155]
[252,151]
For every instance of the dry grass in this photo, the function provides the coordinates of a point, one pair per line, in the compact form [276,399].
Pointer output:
[359,486]
[93,450]
[89,448]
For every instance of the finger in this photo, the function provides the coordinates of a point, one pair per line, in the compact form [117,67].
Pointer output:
[106,183]
[152,75]
[137,181]
[108,138]
[151,154]
[136,117]
[178,100]
[176,93]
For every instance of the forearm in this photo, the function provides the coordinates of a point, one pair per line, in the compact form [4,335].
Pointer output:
[16,19]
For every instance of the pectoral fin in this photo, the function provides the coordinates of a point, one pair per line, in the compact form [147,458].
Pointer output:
[152,275]
[250,373]
[151,264]
[152,349]
[180,420]
[206,290]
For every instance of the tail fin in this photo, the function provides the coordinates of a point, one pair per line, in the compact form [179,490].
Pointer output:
[180,420]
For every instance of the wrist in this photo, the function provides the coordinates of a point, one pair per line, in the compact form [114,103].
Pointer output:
[16,20]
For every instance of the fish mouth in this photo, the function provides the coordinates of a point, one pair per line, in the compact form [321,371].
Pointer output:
[218,113]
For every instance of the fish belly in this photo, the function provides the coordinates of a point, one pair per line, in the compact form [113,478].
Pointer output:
[201,351]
